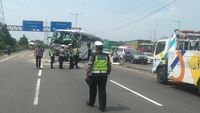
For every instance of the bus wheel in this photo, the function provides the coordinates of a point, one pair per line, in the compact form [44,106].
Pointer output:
[162,75]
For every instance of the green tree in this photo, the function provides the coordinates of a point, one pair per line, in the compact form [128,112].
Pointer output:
[23,41]
[5,37]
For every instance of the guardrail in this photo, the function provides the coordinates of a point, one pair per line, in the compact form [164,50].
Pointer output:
[143,67]
[3,52]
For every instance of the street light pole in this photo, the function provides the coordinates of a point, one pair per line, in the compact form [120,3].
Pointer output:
[179,23]
[76,17]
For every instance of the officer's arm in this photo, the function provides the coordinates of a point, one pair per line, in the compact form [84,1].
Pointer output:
[90,63]
[109,65]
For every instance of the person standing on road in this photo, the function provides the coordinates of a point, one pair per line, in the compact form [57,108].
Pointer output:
[100,68]
[76,56]
[8,50]
[89,50]
[61,57]
[71,59]
[52,56]
[38,53]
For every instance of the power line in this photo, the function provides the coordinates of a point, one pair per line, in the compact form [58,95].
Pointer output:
[127,9]
[139,19]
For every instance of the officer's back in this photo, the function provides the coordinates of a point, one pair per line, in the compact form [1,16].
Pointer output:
[99,67]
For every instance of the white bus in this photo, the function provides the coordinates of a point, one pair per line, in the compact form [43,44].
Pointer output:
[83,39]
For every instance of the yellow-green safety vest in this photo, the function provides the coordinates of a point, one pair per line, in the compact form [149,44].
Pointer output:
[100,63]
[51,53]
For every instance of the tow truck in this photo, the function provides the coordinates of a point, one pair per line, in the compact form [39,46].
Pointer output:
[178,58]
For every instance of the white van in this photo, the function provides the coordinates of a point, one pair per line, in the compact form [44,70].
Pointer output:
[121,50]
[178,58]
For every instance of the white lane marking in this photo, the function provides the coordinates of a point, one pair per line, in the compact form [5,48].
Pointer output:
[80,65]
[134,92]
[42,65]
[40,73]
[7,58]
[37,90]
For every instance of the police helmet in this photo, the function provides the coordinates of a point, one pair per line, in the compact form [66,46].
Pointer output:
[99,45]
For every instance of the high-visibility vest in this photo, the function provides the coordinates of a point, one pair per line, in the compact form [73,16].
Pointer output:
[100,63]
[75,51]
[51,53]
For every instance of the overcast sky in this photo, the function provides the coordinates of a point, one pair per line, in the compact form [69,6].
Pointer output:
[100,16]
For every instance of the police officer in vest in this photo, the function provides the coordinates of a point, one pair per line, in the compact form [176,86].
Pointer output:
[52,56]
[71,59]
[61,56]
[76,56]
[100,68]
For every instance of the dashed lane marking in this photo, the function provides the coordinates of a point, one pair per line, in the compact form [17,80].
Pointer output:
[37,90]
[40,73]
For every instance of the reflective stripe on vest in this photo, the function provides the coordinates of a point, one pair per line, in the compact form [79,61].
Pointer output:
[100,63]
[51,53]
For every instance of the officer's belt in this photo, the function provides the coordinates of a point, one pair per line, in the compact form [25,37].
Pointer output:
[99,72]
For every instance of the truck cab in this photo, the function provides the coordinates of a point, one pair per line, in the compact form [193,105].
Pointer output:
[178,58]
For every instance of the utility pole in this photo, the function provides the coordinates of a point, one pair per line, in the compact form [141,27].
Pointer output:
[179,23]
[76,17]
[150,32]
[2,19]
[46,35]
[156,33]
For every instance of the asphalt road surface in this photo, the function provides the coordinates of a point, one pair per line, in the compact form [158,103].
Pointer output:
[24,89]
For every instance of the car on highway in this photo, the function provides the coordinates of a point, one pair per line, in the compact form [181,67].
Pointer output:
[149,57]
[135,56]
[121,50]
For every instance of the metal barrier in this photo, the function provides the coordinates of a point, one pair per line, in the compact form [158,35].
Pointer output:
[3,52]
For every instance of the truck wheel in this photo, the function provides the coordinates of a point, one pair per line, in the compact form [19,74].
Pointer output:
[162,75]
[199,87]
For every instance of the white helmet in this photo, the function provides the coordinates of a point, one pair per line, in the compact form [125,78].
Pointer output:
[98,43]
[62,46]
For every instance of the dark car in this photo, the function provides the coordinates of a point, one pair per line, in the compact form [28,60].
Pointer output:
[135,56]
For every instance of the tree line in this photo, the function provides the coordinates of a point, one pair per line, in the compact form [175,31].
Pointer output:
[7,40]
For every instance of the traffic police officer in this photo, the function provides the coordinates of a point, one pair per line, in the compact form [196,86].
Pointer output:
[52,56]
[61,56]
[100,68]
[76,56]
[71,59]
[38,53]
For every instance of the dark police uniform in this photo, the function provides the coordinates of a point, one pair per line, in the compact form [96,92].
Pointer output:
[71,59]
[38,55]
[100,68]
[61,57]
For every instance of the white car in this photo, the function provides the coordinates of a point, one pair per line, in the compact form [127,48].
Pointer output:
[121,50]
[149,57]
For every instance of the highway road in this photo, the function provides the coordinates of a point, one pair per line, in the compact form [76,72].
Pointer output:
[24,89]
